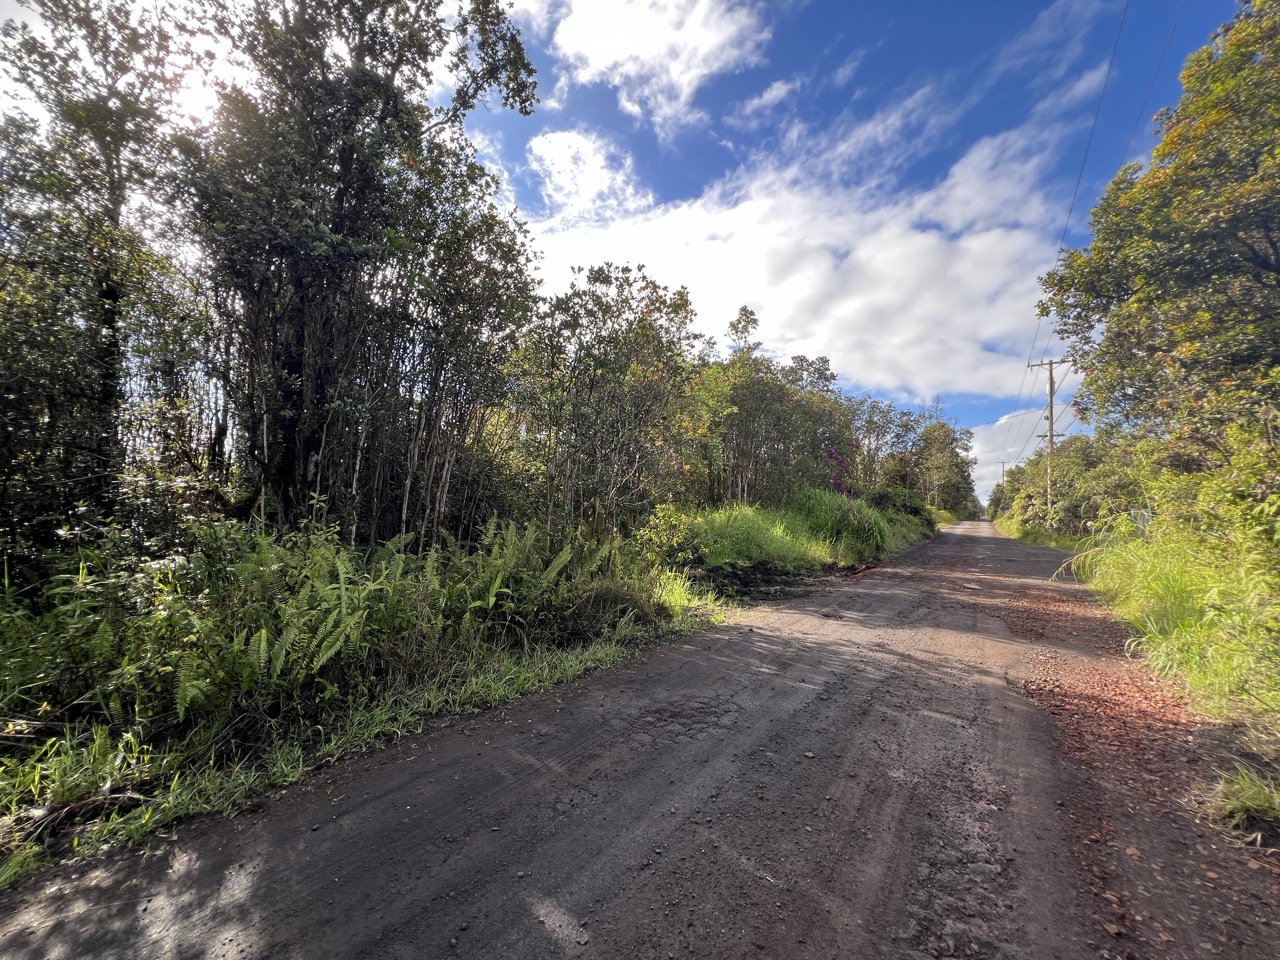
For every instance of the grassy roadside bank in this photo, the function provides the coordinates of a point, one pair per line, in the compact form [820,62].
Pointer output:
[136,693]
[1037,536]
[818,530]
[1205,611]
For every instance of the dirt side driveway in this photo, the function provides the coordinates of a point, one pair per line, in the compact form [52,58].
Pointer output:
[859,773]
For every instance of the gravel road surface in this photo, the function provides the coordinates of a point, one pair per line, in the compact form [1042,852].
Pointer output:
[944,756]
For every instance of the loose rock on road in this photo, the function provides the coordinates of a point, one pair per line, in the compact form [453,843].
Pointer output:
[945,756]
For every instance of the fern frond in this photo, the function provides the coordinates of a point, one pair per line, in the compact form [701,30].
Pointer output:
[553,569]
[285,642]
[337,641]
[190,688]
[262,645]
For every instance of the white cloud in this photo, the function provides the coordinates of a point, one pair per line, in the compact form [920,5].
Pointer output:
[844,73]
[864,154]
[655,53]
[1083,90]
[752,113]
[536,16]
[988,186]
[1054,41]
[585,178]
[913,292]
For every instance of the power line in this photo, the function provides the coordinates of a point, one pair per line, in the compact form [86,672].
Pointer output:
[1177,18]
[1030,437]
[1034,377]
[1022,413]
[1075,193]
[1003,418]
[1074,420]
[1084,161]
[987,453]
[1097,111]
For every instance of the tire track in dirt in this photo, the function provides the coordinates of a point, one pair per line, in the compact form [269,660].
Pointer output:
[854,773]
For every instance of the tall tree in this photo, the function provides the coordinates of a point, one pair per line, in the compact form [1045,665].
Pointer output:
[76,181]
[945,466]
[309,191]
[879,430]
[1174,307]
[608,386]
[781,422]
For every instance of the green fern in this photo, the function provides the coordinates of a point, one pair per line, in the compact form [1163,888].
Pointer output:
[190,687]
[285,641]
[262,646]
[338,630]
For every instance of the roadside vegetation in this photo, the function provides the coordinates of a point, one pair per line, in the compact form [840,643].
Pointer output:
[733,547]
[1176,496]
[1037,535]
[161,687]
[295,453]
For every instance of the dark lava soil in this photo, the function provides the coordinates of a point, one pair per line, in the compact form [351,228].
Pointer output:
[946,756]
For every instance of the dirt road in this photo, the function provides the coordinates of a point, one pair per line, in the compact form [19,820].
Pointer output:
[858,773]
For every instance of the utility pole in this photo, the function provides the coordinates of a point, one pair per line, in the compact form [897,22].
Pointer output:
[1048,472]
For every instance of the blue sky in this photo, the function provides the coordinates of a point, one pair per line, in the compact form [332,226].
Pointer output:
[883,182]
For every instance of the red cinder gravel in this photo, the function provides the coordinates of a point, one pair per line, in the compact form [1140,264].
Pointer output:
[1193,891]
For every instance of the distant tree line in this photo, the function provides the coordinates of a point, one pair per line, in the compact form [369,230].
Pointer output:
[309,306]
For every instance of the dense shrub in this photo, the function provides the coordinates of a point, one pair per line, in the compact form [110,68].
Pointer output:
[244,628]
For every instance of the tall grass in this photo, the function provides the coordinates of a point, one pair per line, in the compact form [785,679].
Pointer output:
[1207,611]
[1206,608]
[818,529]
[857,531]
[943,518]
[1248,800]
[742,535]
[1196,572]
